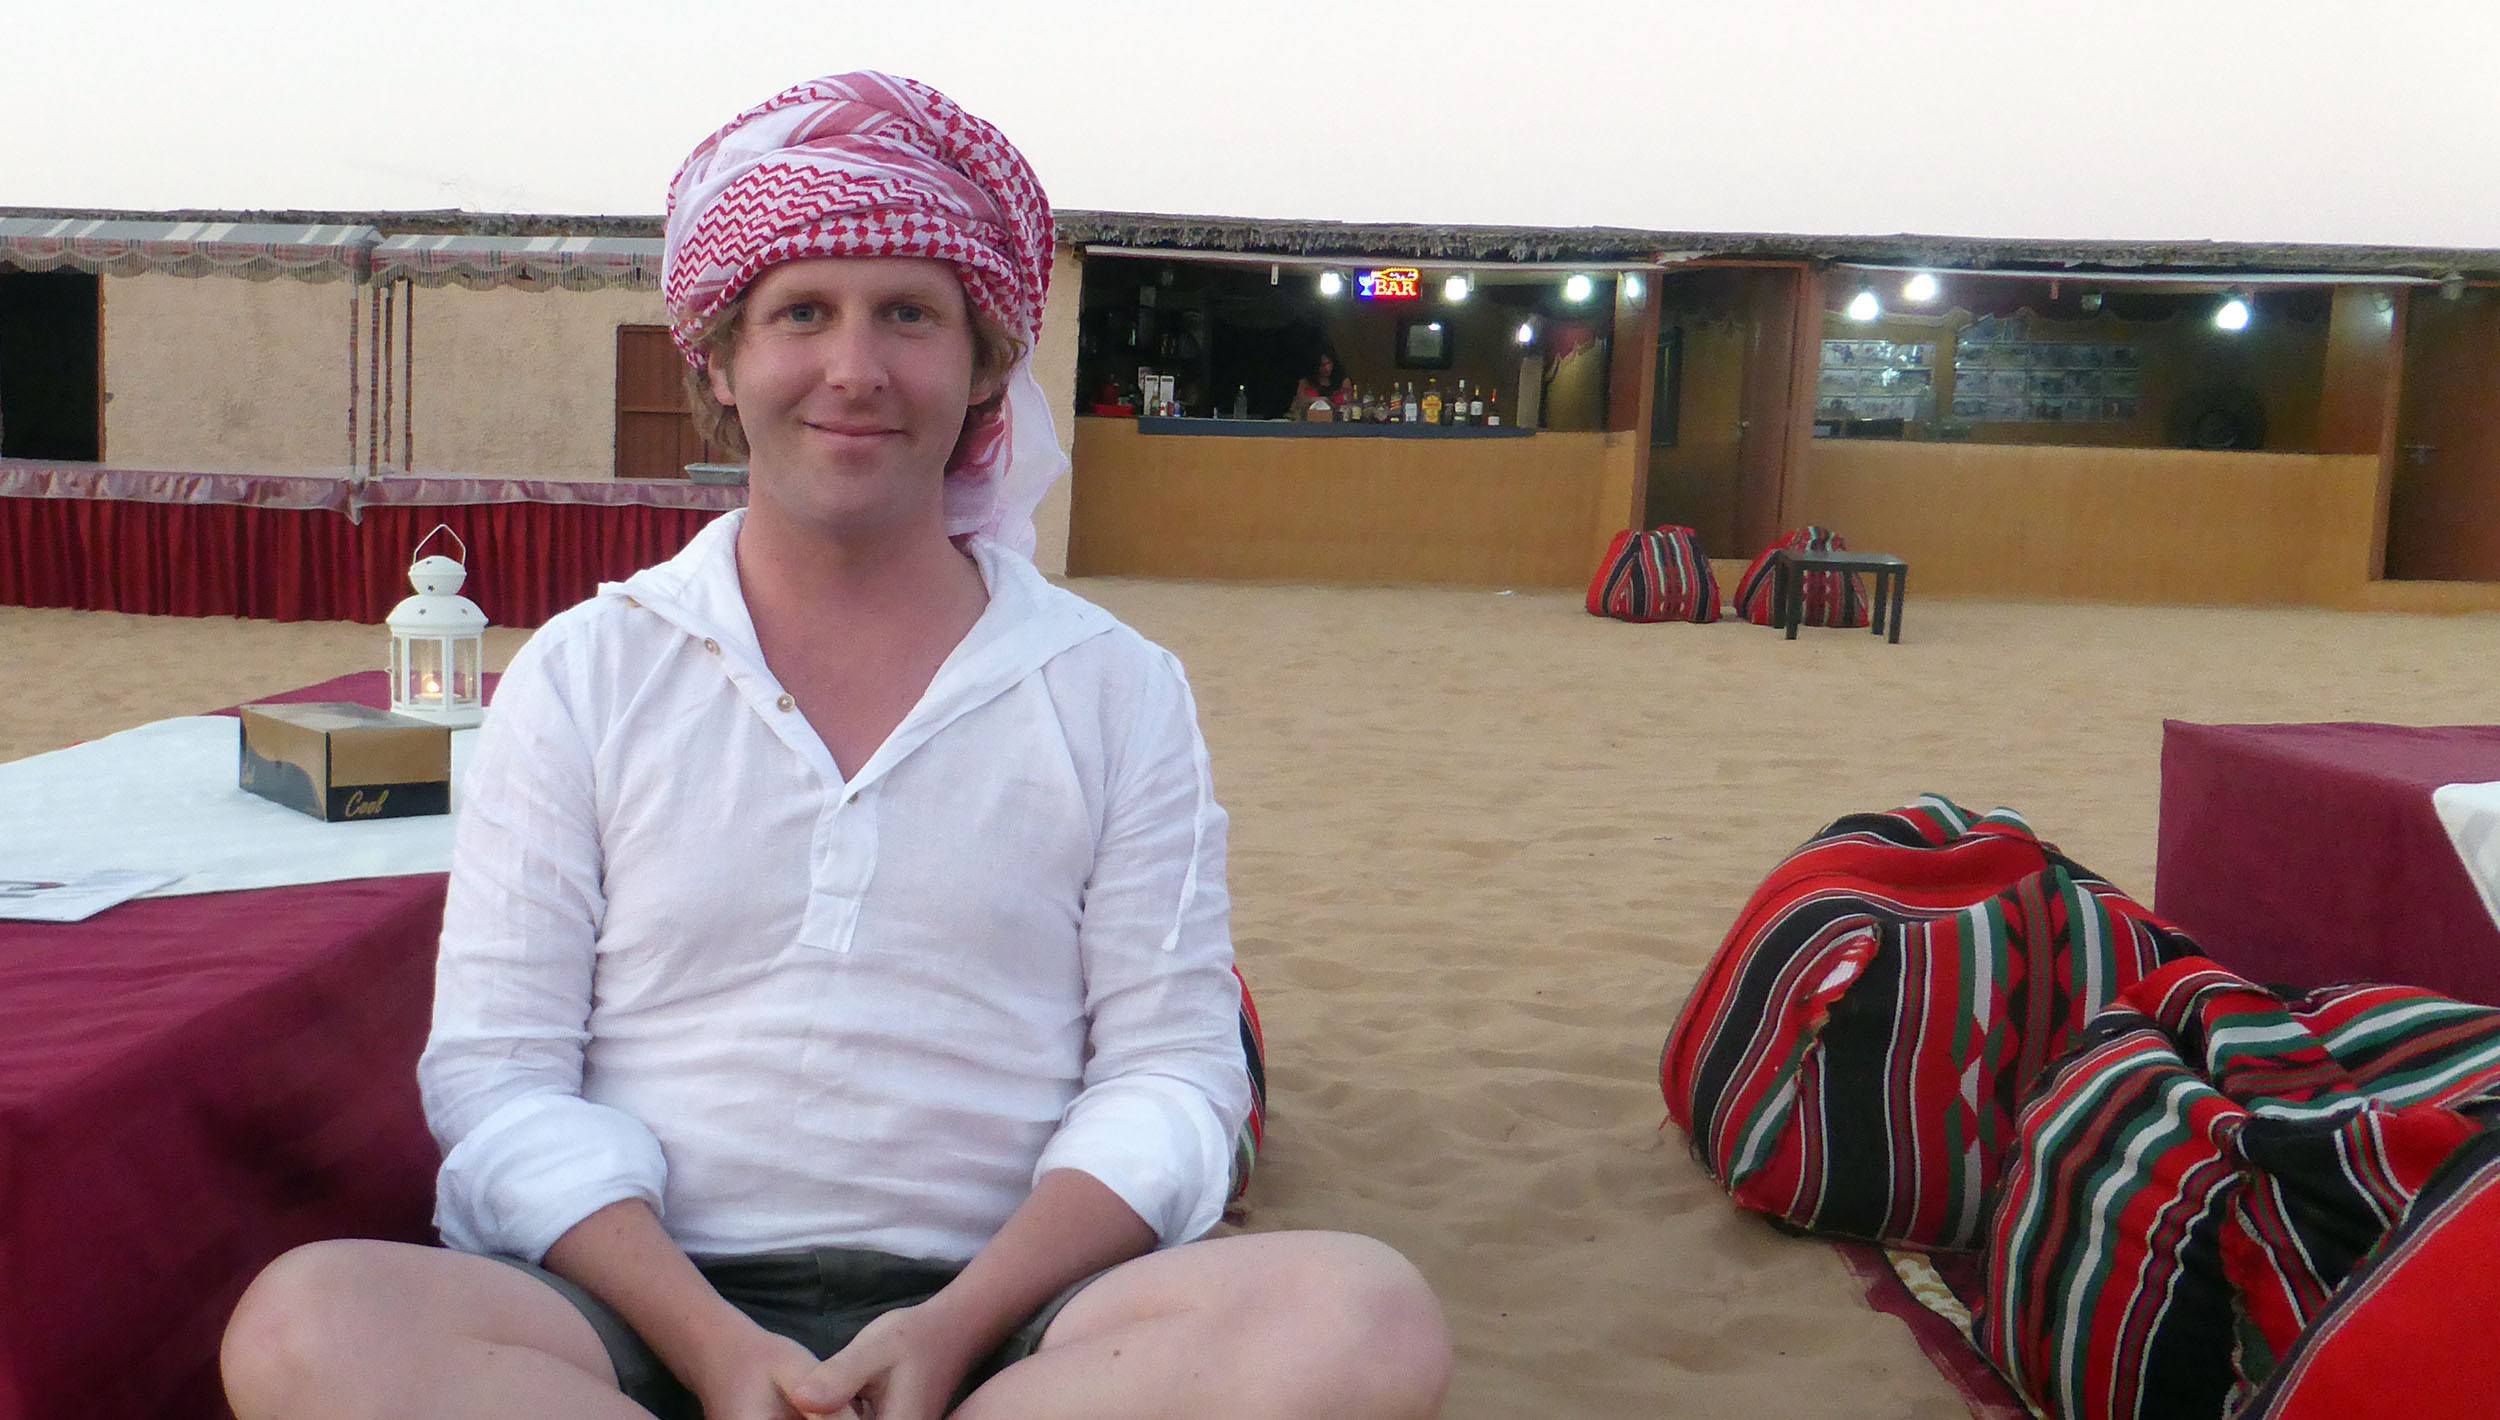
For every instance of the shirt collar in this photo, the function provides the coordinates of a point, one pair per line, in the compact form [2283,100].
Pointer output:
[1027,623]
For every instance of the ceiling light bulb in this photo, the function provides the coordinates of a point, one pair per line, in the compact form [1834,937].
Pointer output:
[1454,289]
[1330,283]
[1864,307]
[1579,288]
[1634,288]
[2233,315]
[1921,288]
[1527,333]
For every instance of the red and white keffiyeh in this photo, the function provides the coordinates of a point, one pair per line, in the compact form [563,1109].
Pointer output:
[874,165]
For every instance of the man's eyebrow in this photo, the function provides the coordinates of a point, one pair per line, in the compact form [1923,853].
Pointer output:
[925,292]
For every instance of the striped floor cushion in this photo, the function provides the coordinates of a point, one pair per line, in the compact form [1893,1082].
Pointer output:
[2410,1333]
[1658,575]
[1253,1129]
[2187,1189]
[1831,598]
[1851,1060]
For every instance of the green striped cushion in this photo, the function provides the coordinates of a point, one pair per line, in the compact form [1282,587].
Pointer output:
[2186,1189]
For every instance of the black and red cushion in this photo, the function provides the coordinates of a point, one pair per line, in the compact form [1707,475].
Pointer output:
[1658,575]
[1831,598]
[1852,1059]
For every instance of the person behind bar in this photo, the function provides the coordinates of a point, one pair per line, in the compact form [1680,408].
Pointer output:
[1320,383]
[834,1012]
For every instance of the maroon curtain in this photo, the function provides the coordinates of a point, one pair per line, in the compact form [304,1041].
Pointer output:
[527,561]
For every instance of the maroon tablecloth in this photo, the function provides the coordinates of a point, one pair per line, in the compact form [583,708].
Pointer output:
[190,1086]
[2310,854]
[311,549]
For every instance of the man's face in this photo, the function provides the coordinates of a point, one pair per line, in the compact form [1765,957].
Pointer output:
[851,377]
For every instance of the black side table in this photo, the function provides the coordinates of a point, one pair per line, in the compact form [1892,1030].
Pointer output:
[1892,587]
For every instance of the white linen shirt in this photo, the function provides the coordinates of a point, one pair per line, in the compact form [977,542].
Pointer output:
[684,960]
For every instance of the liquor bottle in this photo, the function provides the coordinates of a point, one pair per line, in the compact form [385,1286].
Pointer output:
[1475,406]
[1412,412]
[1458,404]
[1432,400]
[1241,401]
[1493,410]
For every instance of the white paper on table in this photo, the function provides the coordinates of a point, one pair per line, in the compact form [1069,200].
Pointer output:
[2471,814]
[73,899]
[163,799]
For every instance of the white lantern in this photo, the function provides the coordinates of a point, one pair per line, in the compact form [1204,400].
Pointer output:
[438,643]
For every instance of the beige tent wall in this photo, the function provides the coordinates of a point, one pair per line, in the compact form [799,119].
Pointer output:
[1054,366]
[521,384]
[217,374]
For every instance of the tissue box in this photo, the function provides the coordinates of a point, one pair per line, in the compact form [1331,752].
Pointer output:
[342,763]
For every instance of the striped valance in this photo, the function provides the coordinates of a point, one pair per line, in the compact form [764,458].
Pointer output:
[116,247]
[576,263]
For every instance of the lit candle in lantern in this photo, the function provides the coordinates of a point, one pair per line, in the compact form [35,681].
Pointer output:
[438,643]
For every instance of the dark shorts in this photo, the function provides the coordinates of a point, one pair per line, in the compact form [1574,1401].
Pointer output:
[819,1297]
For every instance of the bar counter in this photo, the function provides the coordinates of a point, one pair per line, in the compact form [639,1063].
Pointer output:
[1323,429]
[1348,504]
[2177,526]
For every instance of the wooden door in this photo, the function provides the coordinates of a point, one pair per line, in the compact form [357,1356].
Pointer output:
[655,435]
[1771,414]
[2444,513]
[1697,419]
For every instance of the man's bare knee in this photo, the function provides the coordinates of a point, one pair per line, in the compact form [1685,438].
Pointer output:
[289,1329]
[1369,1328]
[323,1328]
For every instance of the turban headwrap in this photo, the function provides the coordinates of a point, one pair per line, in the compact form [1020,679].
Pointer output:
[873,165]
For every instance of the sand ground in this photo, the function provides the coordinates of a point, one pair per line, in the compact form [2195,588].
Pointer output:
[1481,846]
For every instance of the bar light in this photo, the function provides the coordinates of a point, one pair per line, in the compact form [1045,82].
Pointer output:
[1920,289]
[1635,290]
[1331,284]
[1455,289]
[1527,333]
[1578,287]
[2232,315]
[1864,307]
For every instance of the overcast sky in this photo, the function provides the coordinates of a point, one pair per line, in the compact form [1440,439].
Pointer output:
[2263,120]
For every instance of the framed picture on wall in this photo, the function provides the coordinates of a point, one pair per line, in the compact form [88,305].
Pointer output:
[1426,342]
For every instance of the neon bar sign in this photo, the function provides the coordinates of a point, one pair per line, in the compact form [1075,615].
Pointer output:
[1390,283]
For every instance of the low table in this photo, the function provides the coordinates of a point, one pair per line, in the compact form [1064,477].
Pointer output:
[2310,854]
[189,1086]
[1892,587]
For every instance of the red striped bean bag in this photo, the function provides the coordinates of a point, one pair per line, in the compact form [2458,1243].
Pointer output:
[1851,1060]
[1253,1129]
[2429,1291]
[1831,598]
[1658,575]
[2188,1188]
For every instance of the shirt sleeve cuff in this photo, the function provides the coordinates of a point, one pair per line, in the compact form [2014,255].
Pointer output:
[1157,1144]
[539,1165]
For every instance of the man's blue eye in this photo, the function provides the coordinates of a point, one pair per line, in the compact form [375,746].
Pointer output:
[801,313]
[910,314]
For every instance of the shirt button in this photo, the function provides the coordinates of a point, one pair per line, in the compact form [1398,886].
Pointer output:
[711,645]
[786,703]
